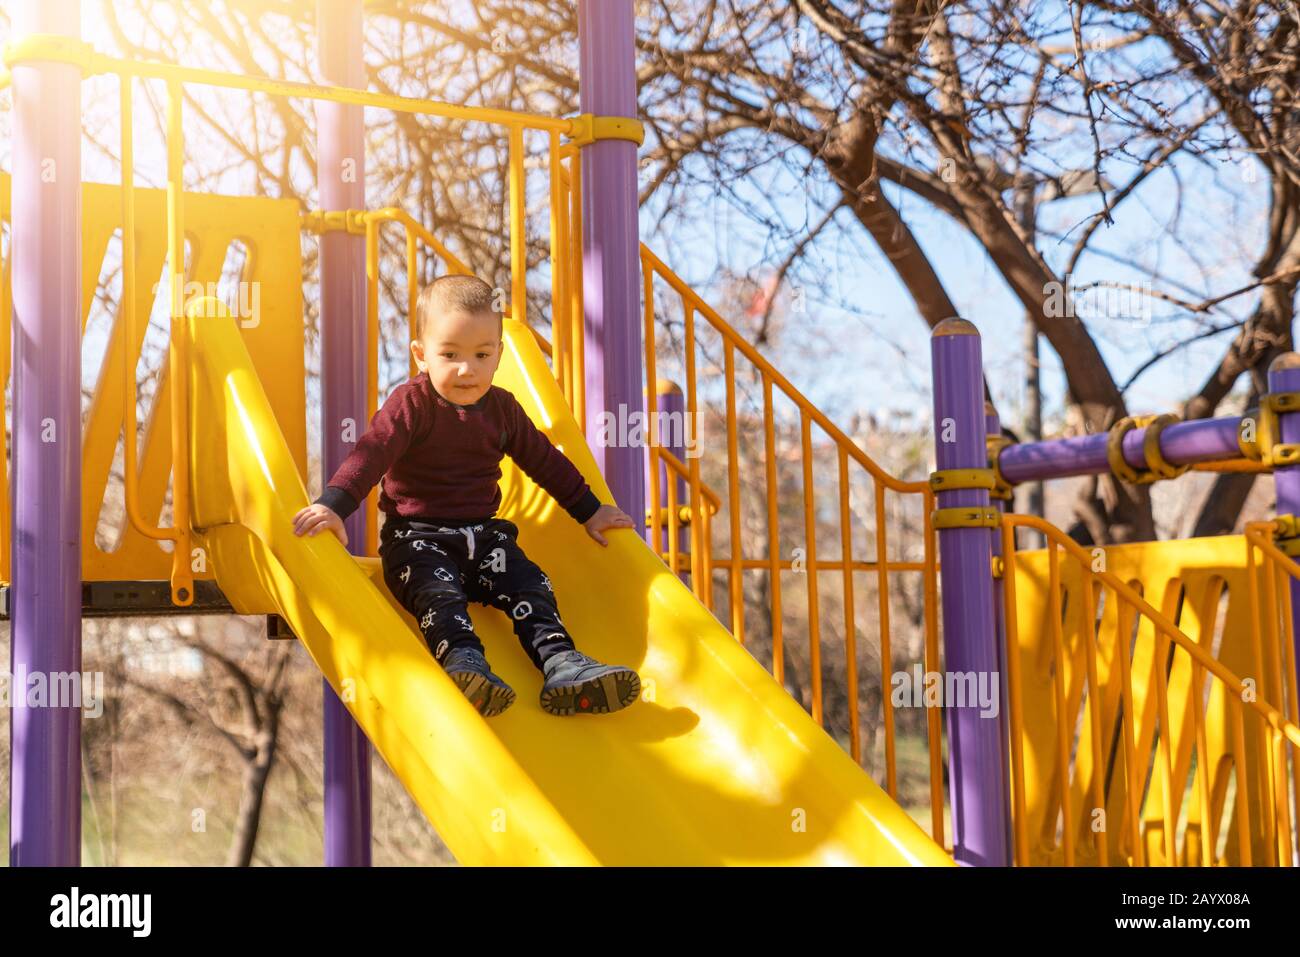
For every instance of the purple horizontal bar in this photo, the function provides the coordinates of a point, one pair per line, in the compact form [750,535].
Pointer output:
[1184,443]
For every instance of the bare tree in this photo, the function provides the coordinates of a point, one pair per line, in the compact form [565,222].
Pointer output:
[243,707]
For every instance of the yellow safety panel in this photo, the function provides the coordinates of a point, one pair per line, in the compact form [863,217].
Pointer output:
[716,765]
[1185,580]
[269,229]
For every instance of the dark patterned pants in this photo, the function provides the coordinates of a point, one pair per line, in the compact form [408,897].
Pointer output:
[435,570]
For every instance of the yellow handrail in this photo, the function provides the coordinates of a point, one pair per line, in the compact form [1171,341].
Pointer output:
[179,353]
[672,516]
[659,268]
[846,450]
[130,468]
[59,49]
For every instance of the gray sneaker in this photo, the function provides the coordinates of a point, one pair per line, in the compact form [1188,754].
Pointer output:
[576,684]
[486,692]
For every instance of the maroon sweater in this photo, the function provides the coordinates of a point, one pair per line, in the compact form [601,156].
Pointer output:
[440,461]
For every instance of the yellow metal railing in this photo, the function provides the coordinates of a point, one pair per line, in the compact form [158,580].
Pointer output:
[567,323]
[673,516]
[1273,649]
[1121,714]
[733,562]
[60,49]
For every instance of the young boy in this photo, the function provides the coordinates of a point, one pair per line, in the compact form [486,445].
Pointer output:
[438,443]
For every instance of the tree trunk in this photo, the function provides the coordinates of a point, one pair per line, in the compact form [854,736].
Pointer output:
[256,772]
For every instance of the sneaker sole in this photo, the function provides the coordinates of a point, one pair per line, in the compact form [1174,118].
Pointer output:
[487,698]
[610,692]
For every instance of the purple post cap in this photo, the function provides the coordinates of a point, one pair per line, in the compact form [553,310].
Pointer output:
[955,326]
[667,387]
[1285,362]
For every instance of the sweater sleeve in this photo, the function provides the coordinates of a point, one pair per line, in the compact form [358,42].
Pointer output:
[545,464]
[389,435]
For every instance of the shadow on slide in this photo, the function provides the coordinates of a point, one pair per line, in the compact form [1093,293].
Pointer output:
[715,765]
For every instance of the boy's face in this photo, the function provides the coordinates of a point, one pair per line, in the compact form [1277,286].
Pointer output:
[461,351]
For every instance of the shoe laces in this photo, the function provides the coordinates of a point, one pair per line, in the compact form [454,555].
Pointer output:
[573,657]
[470,656]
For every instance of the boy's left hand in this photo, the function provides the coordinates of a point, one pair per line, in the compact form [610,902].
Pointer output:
[607,517]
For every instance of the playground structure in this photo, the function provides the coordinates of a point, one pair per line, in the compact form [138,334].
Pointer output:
[1147,712]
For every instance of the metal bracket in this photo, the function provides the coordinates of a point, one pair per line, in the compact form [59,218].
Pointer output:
[588,128]
[1002,489]
[1286,534]
[51,48]
[966,516]
[1158,466]
[950,480]
[351,221]
[1265,447]
[660,520]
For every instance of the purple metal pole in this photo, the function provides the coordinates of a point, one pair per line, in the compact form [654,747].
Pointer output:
[1183,443]
[45,760]
[976,746]
[342,168]
[1284,376]
[672,411]
[611,267]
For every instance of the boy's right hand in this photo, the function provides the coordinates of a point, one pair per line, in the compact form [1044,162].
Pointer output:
[313,518]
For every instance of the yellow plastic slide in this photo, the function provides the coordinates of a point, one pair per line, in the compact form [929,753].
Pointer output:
[715,765]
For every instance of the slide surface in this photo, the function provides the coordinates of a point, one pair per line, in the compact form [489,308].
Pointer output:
[715,765]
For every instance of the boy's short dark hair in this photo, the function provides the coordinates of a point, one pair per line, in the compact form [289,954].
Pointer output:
[450,293]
